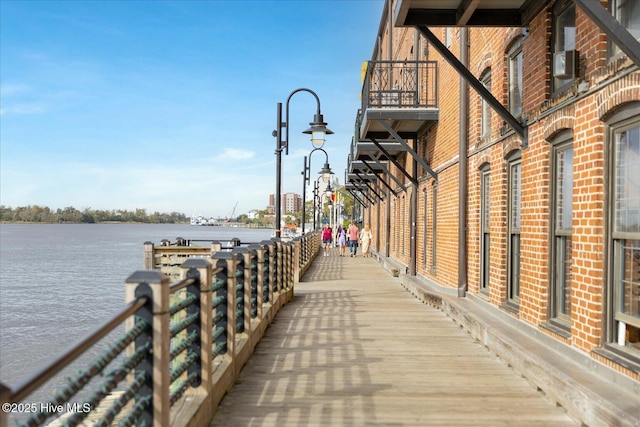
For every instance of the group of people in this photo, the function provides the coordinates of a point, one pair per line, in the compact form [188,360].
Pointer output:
[352,237]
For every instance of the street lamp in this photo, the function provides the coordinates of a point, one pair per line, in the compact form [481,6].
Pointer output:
[325,174]
[317,197]
[318,131]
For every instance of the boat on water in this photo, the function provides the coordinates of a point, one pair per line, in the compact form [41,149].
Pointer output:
[199,220]
[286,234]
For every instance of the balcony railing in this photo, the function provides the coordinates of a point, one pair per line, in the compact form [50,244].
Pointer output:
[400,84]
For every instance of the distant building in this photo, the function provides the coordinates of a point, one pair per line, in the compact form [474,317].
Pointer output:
[290,202]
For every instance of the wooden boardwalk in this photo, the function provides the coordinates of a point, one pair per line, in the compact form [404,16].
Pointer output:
[354,348]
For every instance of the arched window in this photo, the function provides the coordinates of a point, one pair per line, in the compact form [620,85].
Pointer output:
[624,229]
[485,109]
[485,228]
[561,229]
[514,196]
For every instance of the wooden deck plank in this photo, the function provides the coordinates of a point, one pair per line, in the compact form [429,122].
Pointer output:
[354,348]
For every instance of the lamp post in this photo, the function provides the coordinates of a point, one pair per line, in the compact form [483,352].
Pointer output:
[318,195]
[325,175]
[318,131]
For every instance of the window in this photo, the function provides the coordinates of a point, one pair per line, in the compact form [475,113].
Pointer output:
[485,110]
[627,13]
[513,215]
[485,242]
[564,39]
[625,229]
[561,229]
[515,79]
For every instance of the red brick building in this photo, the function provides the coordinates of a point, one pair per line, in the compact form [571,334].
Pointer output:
[498,152]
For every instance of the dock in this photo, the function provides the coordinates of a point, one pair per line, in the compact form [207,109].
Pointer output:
[356,348]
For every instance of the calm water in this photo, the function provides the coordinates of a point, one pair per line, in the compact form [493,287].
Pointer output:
[58,282]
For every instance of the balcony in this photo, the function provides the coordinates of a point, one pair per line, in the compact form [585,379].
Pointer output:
[402,94]
[479,13]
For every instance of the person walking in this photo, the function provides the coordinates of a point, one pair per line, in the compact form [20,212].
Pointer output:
[354,234]
[327,235]
[341,238]
[366,237]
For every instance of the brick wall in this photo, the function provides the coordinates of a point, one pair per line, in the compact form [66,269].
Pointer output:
[606,85]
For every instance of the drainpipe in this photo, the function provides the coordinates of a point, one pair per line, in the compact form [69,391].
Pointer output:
[413,250]
[463,167]
[387,249]
[390,38]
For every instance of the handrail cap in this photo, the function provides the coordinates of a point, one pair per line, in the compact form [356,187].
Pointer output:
[145,276]
[196,263]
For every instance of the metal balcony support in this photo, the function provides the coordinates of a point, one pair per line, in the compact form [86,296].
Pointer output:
[382,180]
[616,32]
[410,150]
[365,182]
[385,170]
[475,83]
[394,161]
[355,196]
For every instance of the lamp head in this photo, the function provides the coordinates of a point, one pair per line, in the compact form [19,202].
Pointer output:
[329,189]
[326,172]
[318,131]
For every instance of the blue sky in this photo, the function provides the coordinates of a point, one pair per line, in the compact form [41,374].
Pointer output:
[169,105]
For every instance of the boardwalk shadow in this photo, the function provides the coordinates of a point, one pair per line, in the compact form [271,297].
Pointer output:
[311,367]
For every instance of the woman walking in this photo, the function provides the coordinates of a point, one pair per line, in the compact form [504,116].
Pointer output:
[342,239]
[327,236]
[365,238]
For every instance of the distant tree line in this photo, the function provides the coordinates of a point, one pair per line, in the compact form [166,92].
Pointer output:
[70,214]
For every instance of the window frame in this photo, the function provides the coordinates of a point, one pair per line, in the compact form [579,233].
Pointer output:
[515,56]
[561,144]
[559,9]
[625,118]
[484,270]
[614,8]
[513,229]
[485,108]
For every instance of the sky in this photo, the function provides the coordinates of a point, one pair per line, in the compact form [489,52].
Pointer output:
[170,106]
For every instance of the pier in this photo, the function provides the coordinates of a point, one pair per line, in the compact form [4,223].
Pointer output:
[288,338]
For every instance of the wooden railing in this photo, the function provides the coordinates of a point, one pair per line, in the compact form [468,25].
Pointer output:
[185,341]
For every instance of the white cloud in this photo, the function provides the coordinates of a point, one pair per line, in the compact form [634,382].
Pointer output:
[236,154]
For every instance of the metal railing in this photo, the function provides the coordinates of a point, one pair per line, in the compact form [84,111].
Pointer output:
[184,340]
[400,84]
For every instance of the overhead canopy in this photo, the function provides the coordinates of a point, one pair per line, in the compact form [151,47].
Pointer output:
[480,13]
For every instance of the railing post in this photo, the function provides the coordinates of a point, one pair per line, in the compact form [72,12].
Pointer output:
[269,271]
[5,395]
[261,277]
[148,261]
[216,246]
[279,265]
[245,253]
[201,268]
[229,261]
[155,286]
[288,270]
[297,259]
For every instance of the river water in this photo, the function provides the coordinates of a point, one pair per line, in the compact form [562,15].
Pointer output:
[58,282]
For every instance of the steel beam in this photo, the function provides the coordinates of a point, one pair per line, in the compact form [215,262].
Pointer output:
[616,32]
[475,83]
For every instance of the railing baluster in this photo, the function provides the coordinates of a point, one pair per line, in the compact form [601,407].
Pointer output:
[266,272]
[261,277]
[230,261]
[154,285]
